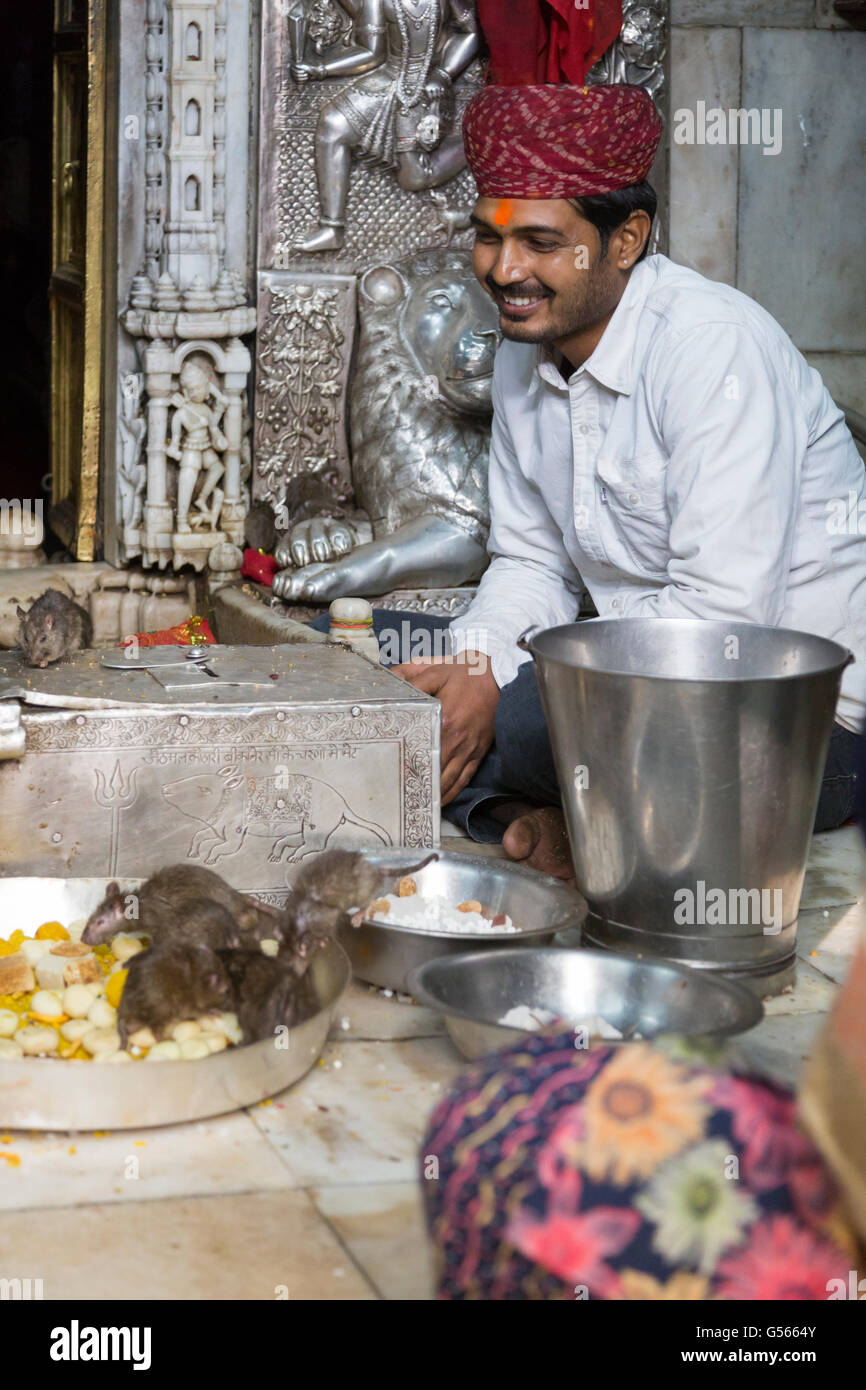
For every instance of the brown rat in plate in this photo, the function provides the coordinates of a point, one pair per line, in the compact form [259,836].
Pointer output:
[268,991]
[170,903]
[172,981]
[54,627]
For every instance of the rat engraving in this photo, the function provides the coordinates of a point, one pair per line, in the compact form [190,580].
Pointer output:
[53,628]
[299,818]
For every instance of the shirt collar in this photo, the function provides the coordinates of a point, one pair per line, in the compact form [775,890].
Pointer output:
[612,362]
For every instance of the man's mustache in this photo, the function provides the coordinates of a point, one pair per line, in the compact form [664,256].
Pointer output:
[522,287]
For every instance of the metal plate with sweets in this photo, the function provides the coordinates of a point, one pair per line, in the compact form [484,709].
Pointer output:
[49,1093]
[538,905]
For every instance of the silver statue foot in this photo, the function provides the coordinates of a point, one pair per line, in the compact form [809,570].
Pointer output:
[327,238]
[429,552]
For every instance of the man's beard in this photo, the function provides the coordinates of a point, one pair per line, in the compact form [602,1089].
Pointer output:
[590,301]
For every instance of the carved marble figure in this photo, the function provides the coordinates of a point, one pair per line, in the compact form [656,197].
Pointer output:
[197,424]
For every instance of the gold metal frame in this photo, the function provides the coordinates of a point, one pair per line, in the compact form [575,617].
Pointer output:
[75,496]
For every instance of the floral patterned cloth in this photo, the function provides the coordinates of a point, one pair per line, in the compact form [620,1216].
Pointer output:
[634,1172]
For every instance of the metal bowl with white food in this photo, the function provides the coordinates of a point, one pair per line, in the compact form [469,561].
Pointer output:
[475,991]
[384,953]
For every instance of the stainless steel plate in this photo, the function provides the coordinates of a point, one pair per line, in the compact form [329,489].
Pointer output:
[46,1093]
[476,989]
[537,904]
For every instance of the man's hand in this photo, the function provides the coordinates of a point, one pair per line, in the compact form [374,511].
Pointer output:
[469,695]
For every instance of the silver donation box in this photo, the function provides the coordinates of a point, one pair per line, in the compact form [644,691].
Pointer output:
[275,755]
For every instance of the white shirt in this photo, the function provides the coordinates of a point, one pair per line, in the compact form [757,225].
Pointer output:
[695,466]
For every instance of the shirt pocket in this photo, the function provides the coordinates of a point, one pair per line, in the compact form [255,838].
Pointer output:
[634,506]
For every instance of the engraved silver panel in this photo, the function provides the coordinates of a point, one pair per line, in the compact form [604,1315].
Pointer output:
[382,219]
[339,753]
[304,347]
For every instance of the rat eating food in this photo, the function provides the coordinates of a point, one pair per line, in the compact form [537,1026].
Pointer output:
[172,981]
[174,902]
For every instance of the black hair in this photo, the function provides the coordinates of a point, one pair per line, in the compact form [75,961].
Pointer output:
[607,211]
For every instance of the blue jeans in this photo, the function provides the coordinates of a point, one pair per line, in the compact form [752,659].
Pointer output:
[519,766]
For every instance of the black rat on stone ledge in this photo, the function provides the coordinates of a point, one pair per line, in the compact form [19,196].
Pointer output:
[53,628]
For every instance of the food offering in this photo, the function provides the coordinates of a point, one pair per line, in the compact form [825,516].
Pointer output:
[206,967]
[60,998]
[433,912]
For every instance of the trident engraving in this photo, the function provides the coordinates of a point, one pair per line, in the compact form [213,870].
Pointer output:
[115,796]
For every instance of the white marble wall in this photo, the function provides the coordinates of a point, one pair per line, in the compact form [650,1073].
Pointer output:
[787,228]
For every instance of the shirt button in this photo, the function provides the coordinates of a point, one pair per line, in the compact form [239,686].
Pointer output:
[614,603]
[584,429]
[633,498]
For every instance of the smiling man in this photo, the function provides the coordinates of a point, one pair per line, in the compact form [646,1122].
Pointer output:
[656,437]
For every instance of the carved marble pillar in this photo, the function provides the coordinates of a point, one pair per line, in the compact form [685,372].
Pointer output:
[184,84]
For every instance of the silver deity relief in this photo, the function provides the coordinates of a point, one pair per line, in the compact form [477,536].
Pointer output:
[362,102]
[402,57]
[638,55]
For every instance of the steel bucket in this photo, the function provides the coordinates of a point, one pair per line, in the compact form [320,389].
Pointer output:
[690,756]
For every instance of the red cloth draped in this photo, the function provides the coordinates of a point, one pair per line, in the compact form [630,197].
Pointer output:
[534,41]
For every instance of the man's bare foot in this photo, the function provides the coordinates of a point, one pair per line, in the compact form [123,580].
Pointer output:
[538,838]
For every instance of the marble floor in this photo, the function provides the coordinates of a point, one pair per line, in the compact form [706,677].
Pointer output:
[313,1194]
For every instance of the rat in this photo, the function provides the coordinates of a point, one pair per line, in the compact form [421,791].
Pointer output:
[331,892]
[173,902]
[260,528]
[174,980]
[335,884]
[268,991]
[53,628]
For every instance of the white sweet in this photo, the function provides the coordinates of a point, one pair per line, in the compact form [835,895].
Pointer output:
[10,1050]
[270,946]
[436,914]
[101,1040]
[32,951]
[113,1057]
[193,1048]
[75,1028]
[9,1021]
[164,1052]
[181,1032]
[124,946]
[36,1041]
[49,970]
[225,1024]
[101,1014]
[47,1003]
[77,999]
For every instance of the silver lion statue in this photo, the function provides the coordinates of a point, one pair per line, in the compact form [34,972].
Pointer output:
[420,435]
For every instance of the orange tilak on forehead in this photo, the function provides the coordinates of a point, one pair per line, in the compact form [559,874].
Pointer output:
[504,209]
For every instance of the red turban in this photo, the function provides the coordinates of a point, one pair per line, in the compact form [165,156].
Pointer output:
[560,142]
